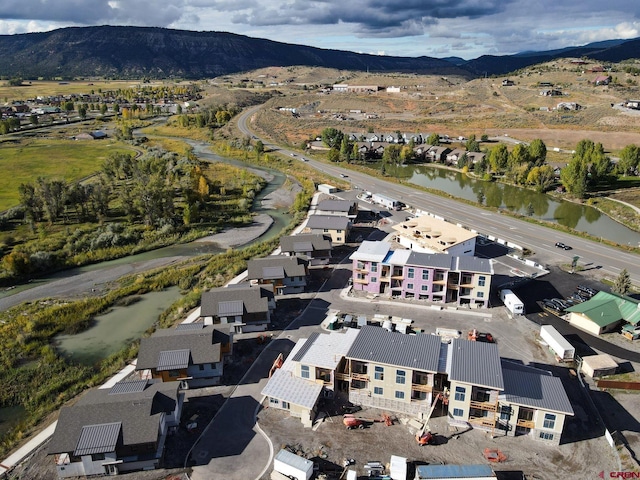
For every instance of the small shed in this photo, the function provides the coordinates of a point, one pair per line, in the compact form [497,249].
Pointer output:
[326,188]
[445,472]
[292,465]
[595,366]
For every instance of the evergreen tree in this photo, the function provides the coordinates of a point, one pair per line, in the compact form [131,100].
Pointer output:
[622,285]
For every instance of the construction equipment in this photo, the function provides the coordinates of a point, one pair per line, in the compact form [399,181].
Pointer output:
[277,363]
[424,435]
[476,336]
[494,455]
[351,421]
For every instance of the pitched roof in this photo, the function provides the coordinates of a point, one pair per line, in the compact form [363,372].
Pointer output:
[434,260]
[226,301]
[259,268]
[475,363]
[335,205]
[467,263]
[137,412]
[326,350]
[299,243]
[606,308]
[418,352]
[201,345]
[370,251]
[330,222]
[532,387]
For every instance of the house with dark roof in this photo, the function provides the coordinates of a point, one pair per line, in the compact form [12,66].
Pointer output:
[286,274]
[244,307]
[336,227]
[314,247]
[410,373]
[192,354]
[437,154]
[341,208]
[116,430]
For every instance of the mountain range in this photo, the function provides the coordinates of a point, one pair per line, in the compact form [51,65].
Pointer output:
[137,52]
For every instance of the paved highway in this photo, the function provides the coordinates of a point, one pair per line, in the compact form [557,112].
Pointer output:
[541,240]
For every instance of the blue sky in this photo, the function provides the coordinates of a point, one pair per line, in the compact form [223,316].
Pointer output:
[435,28]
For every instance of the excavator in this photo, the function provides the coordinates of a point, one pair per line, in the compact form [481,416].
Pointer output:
[424,435]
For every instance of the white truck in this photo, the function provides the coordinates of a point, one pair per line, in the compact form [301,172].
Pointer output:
[512,302]
[292,465]
[557,343]
[385,201]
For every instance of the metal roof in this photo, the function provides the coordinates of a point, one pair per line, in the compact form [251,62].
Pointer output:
[532,387]
[98,439]
[286,387]
[434,260]
[318,241]
[190,326]
[606,308]
[305,347]
[173,359]
[255,299]
[441,472]
[326,350]
[293,460]
[475,363]
[302,246]
[335,205]
[230,308]
[330,222]
[467,263]
[375,344]
[273,272]
[134,386]
[370,251]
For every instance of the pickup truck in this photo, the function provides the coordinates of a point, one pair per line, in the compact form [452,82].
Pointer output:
[631,332]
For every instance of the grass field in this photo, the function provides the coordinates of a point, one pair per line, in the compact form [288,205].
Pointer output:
[45,88]
[23,161]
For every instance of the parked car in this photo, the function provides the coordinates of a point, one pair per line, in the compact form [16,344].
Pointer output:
[563,246]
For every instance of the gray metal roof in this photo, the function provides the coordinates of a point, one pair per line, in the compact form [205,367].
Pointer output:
[305,348]
[532,387]
[475,363]
[255,299]
[173,359]
[330,222]
[98,439]
[375,344]
[135,386]
[230,308]
[293,460]
[202,344]
[273,272]
[326,350]
[190,326]
[433,260]
[294,243]
[335,205]
[468,263]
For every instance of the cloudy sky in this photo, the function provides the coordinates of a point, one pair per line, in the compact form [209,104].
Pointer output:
[436,28]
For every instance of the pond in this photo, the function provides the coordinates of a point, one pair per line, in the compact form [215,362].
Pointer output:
[582,218]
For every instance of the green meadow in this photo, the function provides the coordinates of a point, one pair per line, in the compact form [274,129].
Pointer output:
[22,161]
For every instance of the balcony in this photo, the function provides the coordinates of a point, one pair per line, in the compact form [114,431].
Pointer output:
[363,281]
[342,376]
[521,422]
[363,377]
[491,407]
[483,421]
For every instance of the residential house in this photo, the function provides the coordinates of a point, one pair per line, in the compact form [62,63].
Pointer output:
[244,307]
[475,157]
[314,247]
[435,277]
[409,374]
[454,155]
[191,354]
[568,106]
[428,234]
[508,83]
[633,104]
[551,92]
[341,208]
[602,80]
[116,430]
[604,313]
[336,227]
[437,154]
[286,274]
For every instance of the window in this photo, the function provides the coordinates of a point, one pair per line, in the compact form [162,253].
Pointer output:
[546,436]
[379,373]
[360,265]
[399,395]
[410,272]
[460,394]
[200,367]
[374,279]
[458,412]
[339,231]
[425,274]
[425,288]
[400,376]
[481,280]
[374,266]
[338,239]
[274,401]
[325,230]
[304,371]
[549,420]
[97,457]
[480,294]
[409,286]
[377,390]
[285,405]
[505,413]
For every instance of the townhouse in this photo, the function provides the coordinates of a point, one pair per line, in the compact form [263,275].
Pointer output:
[340,208]
[410,374]
[437,277]
[314,247]
[286,274]
[337,227]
